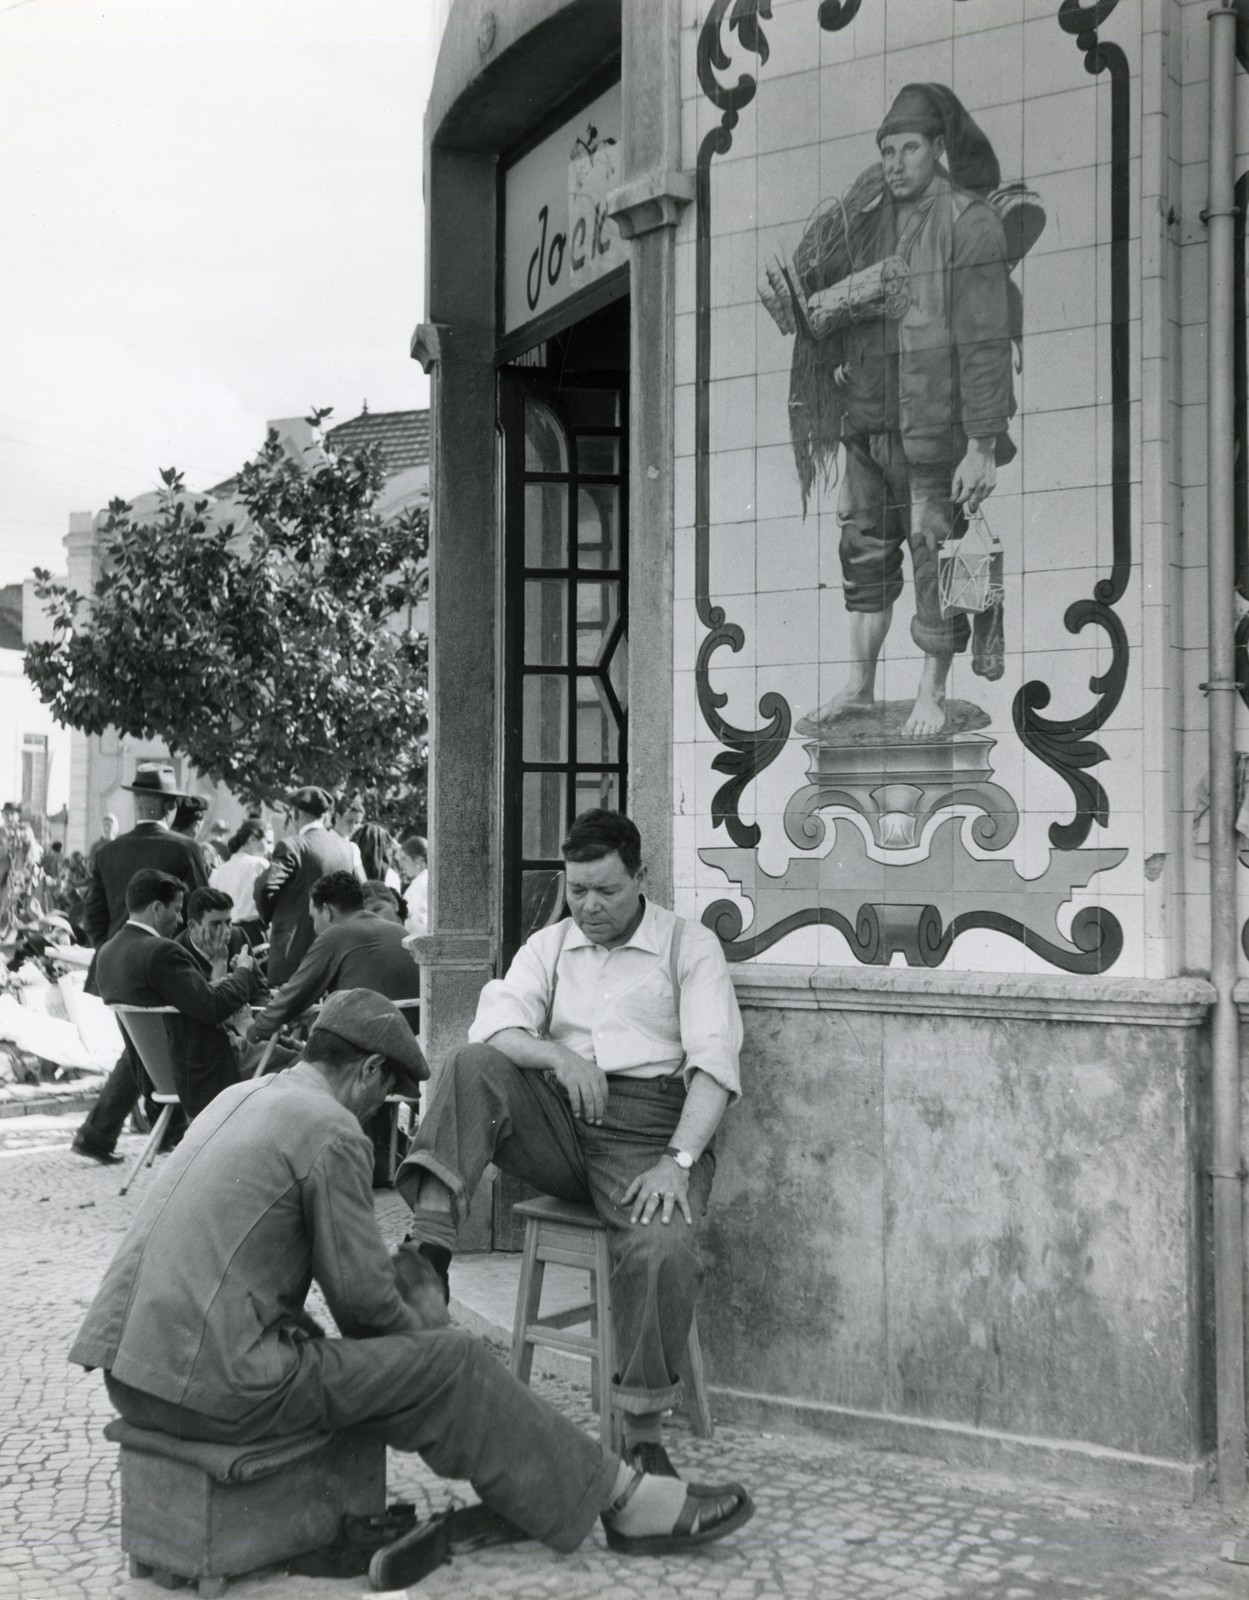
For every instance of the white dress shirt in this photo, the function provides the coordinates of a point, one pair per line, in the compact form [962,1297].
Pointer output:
[617,1007]
[237,878]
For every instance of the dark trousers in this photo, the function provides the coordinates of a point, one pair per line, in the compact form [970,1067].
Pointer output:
[440,1394]
[486,1109]
[125,1085]
[118,1098]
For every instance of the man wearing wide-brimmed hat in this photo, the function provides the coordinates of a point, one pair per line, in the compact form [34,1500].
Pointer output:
[283,894]
[201,1330]
[150,843]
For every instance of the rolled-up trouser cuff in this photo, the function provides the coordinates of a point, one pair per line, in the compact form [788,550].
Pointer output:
[647,1402]
[409,1178]
[946,638]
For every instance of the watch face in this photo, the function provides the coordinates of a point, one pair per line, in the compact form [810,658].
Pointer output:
[685,1159]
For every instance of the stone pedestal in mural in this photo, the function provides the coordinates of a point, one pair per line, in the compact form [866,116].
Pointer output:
[860,763]
[902,887]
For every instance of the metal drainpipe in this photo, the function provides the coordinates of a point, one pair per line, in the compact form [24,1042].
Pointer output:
[1229,1259]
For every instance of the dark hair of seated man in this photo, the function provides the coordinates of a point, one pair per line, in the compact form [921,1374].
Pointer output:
[201,901]
[595,834]
[149,885]
[342,890]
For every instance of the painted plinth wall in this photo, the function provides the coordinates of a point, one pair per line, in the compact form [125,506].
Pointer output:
[924,750]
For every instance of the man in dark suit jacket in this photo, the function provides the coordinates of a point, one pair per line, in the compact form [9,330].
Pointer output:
[283,894]
[144,965]
[353,949]
[151,844]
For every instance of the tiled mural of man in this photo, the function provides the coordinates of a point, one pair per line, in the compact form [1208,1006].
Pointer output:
[915,385]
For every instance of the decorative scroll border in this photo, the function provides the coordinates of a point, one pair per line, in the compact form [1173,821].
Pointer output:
[1063,745]
[877,931]
[748,751]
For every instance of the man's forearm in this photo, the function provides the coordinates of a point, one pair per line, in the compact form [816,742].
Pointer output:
[522,1049]
[705,1104]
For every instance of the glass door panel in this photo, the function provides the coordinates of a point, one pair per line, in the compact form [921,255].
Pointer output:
[565,457]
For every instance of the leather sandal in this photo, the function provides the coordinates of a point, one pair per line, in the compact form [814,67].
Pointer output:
[717,1509]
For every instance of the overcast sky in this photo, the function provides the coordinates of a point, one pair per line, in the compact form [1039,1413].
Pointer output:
[212,217]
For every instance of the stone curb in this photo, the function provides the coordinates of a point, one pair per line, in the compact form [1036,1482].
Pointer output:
[12,1105]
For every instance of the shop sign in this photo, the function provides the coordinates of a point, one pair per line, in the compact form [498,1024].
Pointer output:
[557,235]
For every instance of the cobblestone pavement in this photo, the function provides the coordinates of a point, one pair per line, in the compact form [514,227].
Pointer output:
[832,1521]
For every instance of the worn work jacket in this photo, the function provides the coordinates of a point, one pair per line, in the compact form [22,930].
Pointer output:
[271,1188]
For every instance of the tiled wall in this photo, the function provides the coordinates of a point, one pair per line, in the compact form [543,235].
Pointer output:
[845,838]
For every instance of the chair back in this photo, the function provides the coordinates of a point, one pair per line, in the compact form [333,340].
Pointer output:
[411,1012]
[148,1031]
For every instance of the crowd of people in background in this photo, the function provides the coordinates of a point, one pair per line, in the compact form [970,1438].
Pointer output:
[42,882]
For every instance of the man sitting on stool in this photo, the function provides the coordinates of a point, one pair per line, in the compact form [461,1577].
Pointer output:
[201,1330]
[598,1070]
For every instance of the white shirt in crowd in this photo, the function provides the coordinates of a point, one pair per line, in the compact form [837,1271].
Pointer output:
[417,897]
[237,878]
[616,1007]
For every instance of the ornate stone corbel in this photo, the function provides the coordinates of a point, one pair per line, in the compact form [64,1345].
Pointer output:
[655,200]
[439,342]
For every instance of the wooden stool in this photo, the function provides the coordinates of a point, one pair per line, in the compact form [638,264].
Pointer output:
[572,1236]
[203,1513]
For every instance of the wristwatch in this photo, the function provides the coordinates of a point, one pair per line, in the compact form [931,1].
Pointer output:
[683,1158]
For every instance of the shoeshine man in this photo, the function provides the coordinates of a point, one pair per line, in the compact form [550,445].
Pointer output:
[598,1070]
[925,399]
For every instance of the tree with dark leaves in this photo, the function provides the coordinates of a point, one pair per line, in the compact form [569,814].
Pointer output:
[271,651]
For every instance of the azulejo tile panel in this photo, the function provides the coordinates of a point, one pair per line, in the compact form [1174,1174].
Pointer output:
[923,429]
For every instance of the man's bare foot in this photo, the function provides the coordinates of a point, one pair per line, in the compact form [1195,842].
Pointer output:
[853,700]
[927,718]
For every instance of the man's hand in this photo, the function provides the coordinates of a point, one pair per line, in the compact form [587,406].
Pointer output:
[661,1189]
[975,476]
[774,292]
[584,1082]
[245,961]
[258,1033]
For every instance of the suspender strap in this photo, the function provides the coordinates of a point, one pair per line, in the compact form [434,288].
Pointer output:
[674,956]
[550,1003]
[678,928]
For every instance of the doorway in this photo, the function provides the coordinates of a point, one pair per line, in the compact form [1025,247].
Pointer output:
[564,425]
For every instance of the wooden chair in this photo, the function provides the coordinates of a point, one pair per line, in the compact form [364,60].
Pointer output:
[148,1032]
[571,1235]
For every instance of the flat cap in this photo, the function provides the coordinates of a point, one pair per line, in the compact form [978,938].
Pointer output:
[313,800]
[367,1019]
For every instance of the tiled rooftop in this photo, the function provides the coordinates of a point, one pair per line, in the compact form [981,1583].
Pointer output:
[402,435]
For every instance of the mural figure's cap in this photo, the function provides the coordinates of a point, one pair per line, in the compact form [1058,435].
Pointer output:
[916,110]
[937,112]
